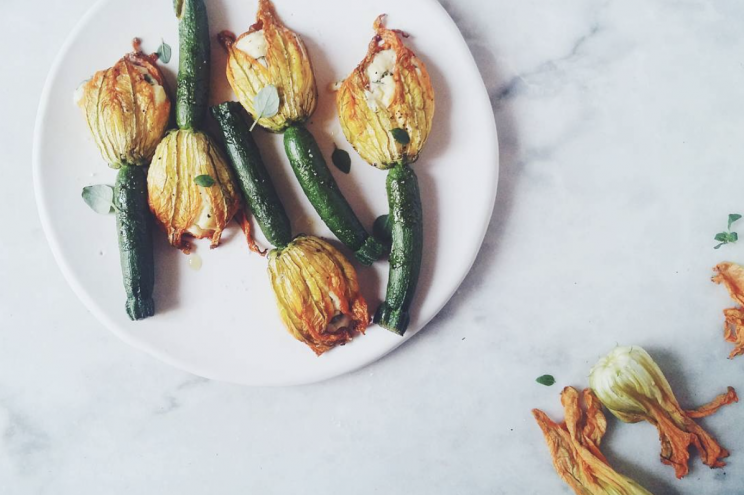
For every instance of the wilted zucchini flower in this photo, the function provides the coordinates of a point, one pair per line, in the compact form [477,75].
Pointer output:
[732,276]
[386,105]
[630,384]
[574,446]
[126,108]
[269,54]
[183,204]
[317,293]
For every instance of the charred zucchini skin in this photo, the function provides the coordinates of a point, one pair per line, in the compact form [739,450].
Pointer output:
[321,189]
[406,216]
[254,180]
[194,60]
[135,241]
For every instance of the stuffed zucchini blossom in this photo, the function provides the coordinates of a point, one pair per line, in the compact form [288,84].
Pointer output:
[269,54]
[126,108]
[389,92]
[630,384]
[317,293]
[574,446]
[731,276]
[182,205]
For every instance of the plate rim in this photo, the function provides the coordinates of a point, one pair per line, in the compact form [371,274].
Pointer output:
[196,369]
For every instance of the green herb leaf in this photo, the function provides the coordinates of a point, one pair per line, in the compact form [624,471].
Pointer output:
[725,238]
[733,218]
[401,135]
[100,198]
[266,103]
[546,380]
[341,160]
[204,181]
[382,229]
[164,52]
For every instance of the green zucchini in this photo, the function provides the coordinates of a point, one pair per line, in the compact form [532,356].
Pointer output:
[321,189]
[406,217]
[135,241]
[253,178]
[192,91]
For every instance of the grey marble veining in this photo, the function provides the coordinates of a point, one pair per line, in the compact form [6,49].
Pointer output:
[622,144]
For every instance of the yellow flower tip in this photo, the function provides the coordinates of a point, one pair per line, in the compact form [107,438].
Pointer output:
[271,54]
[180,205]
[633,388]
[574,447]
[127,109]
[317,294]
[731,276]
[389,90]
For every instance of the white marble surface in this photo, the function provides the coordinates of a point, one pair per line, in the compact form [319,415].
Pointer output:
[622,127]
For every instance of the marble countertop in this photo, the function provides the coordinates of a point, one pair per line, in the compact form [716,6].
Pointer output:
[622,141]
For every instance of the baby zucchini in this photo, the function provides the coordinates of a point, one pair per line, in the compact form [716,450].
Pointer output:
[135,241]
[406,217]
[321,189]
[193,63]
[253,178]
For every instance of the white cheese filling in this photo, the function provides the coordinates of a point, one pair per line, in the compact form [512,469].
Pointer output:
[381,83]
[79,92]
[158,90]
[254,44]
[205,222]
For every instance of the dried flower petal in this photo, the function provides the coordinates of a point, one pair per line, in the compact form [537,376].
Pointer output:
[574,446]
[731,275]
[630,384]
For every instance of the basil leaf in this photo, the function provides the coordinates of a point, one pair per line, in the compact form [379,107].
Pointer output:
[546,380]
[100,198]
[266,103]
[733,218]
[721,237]
[204,181]
[382,229]
[401,135]
[341,160]
[164,52]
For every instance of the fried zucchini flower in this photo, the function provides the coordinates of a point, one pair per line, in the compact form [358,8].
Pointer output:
[732,276]
[126,108]
[183,204]
[574,446]
[386,105]
[317,293]
[269,54]
[630,384]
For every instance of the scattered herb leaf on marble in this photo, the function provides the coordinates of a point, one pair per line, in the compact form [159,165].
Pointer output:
[546,380]
[733,217]
[728,237]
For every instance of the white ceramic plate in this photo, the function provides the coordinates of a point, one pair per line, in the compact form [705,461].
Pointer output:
[221,322]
